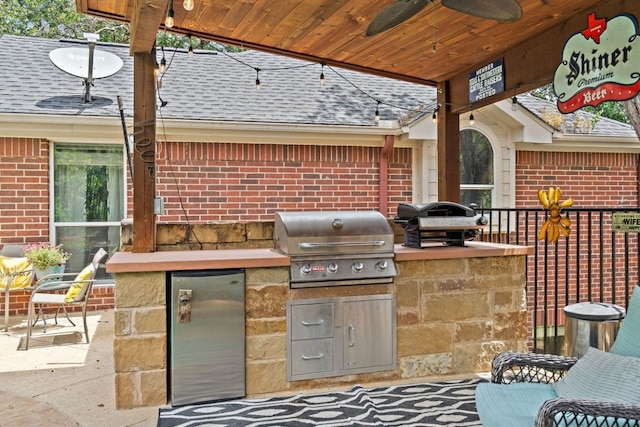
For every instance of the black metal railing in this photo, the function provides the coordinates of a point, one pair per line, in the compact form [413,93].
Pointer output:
[595,263]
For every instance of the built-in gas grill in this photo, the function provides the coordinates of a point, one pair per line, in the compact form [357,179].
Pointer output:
[334,248]
[446,222]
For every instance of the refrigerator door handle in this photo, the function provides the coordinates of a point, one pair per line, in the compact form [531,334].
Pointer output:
[184,305]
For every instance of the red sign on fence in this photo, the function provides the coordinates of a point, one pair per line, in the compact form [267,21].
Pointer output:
[600,63]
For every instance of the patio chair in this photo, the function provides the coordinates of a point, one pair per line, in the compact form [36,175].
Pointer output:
[77,294]
[12,250]
[598,389]
[15,274]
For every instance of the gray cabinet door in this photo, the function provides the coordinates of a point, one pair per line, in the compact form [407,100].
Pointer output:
[368,334]
[328,337]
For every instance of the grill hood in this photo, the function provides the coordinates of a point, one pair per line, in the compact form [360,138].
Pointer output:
[335,248]
[332,232]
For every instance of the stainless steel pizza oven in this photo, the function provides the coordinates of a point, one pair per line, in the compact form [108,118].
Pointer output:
[334,248]
[446,222]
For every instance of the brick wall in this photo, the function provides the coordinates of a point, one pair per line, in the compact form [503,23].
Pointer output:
[228,181]
[213,182]
[592,180]
[24,209]
[24,186]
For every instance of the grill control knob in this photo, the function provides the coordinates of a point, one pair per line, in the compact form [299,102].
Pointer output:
[305,268]
[382,265]
[357,267]
[332,267]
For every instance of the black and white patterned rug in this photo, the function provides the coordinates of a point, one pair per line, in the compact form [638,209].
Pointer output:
[450,403]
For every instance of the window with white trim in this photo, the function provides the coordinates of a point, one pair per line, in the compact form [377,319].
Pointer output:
[88,200]
[476,169]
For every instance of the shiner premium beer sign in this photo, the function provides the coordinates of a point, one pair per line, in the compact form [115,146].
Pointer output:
[600,63]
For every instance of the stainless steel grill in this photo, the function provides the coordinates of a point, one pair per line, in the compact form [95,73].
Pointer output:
[333,248]
[446,222]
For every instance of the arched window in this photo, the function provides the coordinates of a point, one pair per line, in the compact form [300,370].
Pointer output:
[476,169]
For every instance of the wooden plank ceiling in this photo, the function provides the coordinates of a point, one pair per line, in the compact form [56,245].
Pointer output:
[437,46]
[334,32]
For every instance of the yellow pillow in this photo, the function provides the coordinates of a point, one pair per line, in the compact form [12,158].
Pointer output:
[78,287]
[18,266]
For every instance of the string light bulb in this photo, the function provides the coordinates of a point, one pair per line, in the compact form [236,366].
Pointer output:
[188,4]
[377,114]
[190,51]
[168,21]
[156,70]
[514,104]
[257,78]
[514,100]
[322,75]
[163,63]
[472,120]
[434,117]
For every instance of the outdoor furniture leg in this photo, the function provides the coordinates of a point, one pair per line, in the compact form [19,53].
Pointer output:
[29,325]
[6,306]
[44,321]
[66,315]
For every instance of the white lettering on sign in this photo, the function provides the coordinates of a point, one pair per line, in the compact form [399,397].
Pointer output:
[486,81]
[599,64]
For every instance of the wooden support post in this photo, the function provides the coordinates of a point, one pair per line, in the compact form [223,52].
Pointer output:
[448,147]
[144,153]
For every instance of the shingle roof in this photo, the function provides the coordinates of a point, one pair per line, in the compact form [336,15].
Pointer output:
[577,122]
[209,86]
[221,87]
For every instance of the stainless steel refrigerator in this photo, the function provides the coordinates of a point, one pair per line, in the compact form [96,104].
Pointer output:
[206,335]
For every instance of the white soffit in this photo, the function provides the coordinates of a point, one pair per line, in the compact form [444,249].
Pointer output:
[523,125]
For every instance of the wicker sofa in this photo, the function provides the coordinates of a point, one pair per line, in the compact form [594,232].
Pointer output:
[599,389]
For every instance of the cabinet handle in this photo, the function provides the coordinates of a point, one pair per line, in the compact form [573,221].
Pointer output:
[320,356]
[352,335]
[316,323]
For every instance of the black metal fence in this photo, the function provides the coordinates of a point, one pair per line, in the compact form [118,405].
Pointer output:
[595,263]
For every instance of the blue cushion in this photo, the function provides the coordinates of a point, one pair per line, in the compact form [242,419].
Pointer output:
[627,342]
[602,376]
[511,405]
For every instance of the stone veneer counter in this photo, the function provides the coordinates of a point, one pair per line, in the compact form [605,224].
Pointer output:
[456,307]
[122,262]
[471,250]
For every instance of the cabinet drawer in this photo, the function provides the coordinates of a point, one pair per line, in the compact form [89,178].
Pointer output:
[312,321]
[311,357]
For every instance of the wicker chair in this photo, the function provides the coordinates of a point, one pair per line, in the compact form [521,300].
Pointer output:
[531,396]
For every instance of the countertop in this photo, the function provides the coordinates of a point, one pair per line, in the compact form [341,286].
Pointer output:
[129,262]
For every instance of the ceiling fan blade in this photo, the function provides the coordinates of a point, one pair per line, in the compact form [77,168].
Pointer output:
[394,14]
[498,10]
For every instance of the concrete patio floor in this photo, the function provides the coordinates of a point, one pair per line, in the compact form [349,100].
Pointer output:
[78,396]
